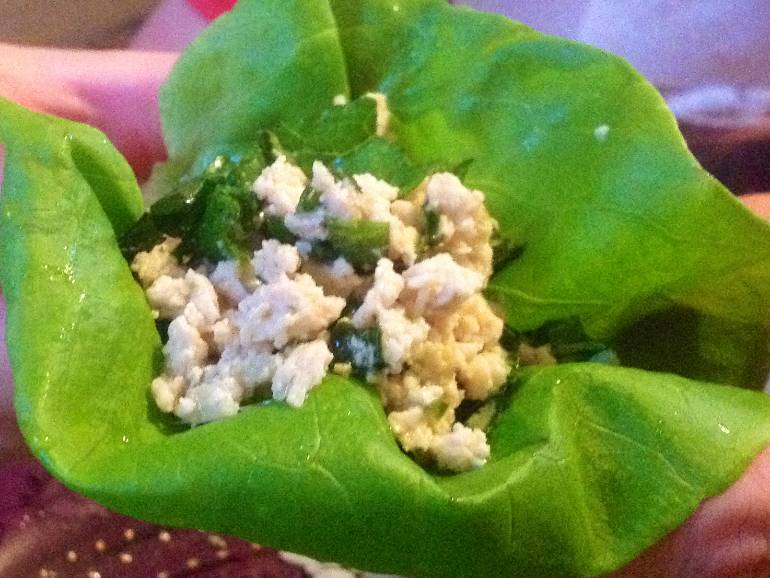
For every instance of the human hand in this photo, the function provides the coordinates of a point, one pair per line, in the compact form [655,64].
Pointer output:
[727,537]
[116,91]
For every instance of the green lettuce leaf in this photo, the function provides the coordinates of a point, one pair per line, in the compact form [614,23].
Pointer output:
[345,139]
[621,230]
[280,60]
[615,226]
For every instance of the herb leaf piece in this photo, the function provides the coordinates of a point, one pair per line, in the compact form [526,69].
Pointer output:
[359,347]
[361,242]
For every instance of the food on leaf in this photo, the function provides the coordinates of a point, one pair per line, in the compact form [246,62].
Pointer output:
[618,248]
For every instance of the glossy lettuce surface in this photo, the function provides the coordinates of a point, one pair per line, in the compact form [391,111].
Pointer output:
[582,165]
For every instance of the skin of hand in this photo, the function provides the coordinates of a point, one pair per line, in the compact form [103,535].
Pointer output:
[113,90]
[727,537]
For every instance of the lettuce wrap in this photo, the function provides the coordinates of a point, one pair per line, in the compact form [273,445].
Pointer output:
[619,231]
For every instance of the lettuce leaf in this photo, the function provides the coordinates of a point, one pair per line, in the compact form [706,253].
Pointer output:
[616,226]
[281,61]
[621,230]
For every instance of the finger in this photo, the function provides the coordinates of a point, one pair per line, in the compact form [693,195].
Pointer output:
[759,203]
[116,91]
[727,537]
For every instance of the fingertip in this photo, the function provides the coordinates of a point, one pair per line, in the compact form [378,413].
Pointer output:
[759,203]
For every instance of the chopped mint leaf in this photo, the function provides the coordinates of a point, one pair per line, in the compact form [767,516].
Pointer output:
[309,201]
[362,243]
[359,347]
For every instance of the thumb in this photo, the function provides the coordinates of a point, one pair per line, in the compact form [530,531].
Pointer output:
[759,203]
[727,537]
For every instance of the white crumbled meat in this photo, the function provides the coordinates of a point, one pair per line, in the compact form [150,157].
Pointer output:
[210,400]
[447,194]
[371,185]
[167,390]
[285,311]
[461,449]
[159,261]
[338,198]
[387,287]
[399,335]
[440,280]
[338,278]
[275,260]
[168,296]
[465,227]
[446,228]
[485,373]
[224,332]
[383,113]
[376,203]
[374,199]
[308,226]
[226,279]
[185,349]
[424,396]
[280,186]
[300,371]
[413,430]
[265,329]
[407,212]
[402,242]
[203,309]
[251,367]
[304,248]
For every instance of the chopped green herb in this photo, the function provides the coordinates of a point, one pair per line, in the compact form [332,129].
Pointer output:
[567,339]
[228,224]
[269,146]
[362,243]
[309,200]
[275,228]
[437,409]
[215,213]
[432,226]
[504,251]
[323,251]
[461,169]
[359,347]
[143,236]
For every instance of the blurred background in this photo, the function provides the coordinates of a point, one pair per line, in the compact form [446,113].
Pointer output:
[72,23]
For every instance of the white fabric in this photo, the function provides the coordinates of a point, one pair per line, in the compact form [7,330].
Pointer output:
[710,58]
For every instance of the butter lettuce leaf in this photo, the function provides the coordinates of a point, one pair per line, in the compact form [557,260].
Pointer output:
[264,62]
[80,332]
[583,166]
[620,229]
